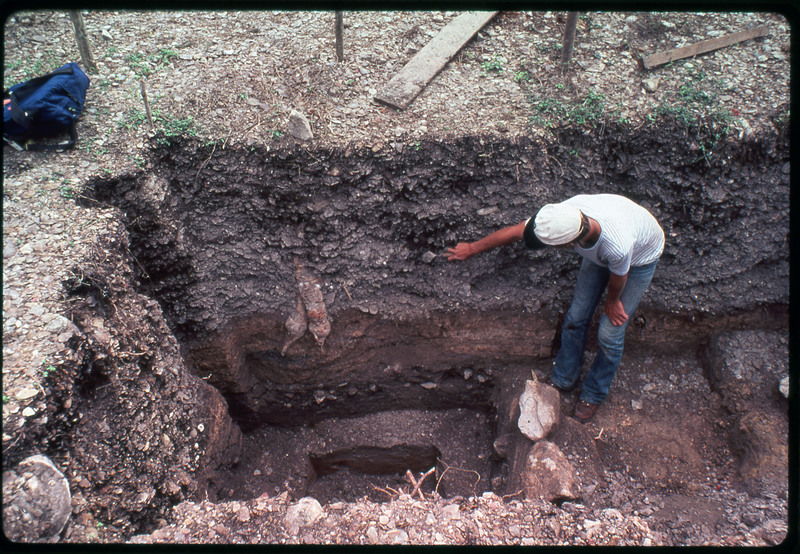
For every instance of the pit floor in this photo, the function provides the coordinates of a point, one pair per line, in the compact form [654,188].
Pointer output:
[276,459]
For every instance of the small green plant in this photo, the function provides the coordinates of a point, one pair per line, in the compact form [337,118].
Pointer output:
[48,61]
[13,65]
[550,112]
[132,120]
[171,128]
[164,57]
[493,66]
[168,127]
[6,399]
[591,109]
[143,65]
[522,76]
[91,148]
[47,369]
[67,191]
[548,47]
[138,65]
[693,91]
[695,105]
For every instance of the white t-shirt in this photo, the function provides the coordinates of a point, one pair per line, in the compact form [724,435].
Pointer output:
[630,235]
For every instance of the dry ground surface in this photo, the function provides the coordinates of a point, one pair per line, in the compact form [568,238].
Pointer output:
[232,78]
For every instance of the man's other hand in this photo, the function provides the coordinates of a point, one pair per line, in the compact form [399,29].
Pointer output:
[616,312]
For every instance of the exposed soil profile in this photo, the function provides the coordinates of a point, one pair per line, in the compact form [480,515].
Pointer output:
[310,290]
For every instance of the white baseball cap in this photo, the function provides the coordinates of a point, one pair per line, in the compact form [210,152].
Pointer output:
[557,224]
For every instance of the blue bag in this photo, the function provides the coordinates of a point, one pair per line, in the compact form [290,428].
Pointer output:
[43,107]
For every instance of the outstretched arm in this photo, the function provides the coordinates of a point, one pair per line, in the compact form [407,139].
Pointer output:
[502,237]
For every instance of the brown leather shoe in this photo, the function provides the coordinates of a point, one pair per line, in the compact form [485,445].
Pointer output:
[584,411]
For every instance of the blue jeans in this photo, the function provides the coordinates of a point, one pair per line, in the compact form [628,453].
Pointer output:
[592,281]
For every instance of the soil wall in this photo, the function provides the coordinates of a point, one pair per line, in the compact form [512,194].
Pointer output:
[289,275]
[238,246]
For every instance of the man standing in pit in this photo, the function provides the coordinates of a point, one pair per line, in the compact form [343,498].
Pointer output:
[620,243]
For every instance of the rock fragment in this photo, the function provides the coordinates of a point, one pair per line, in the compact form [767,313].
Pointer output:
[296,326]
[310,289]
[428,257]
[36,501]
[305,512]
[540,410]
[548,475]
[298,126]
[651,85]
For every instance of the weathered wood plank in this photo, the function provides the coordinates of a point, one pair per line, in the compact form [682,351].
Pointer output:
[417,73]
[702,47]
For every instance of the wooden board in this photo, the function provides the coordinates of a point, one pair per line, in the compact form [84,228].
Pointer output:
[703,47]
[417,73]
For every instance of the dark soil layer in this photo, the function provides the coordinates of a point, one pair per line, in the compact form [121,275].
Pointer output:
[226,240]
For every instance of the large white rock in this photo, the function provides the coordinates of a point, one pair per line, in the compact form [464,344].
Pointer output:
[539,410]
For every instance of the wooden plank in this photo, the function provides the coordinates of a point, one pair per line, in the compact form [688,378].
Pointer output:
[401,90]
[703,47]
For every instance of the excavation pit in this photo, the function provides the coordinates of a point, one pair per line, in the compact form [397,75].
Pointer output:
[346,459]
[311,289]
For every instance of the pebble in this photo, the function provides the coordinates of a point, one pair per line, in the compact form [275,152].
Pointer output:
[9,250]
[428,257]
[58,324]
[397,536]
[784,386]
[651,85]
[26,393]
